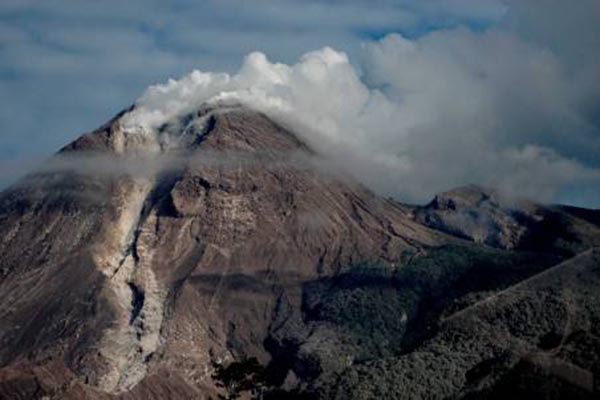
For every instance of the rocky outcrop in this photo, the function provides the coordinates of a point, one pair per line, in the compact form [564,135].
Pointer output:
[488,217]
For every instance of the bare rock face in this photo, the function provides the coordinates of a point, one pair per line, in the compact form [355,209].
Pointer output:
[486,216]
[109,279]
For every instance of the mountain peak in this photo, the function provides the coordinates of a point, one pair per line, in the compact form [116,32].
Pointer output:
[218,127]
[486,215]
[470,195]
[235,227]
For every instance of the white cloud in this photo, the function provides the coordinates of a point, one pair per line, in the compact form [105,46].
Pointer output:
[450,108]
[470,101]
[409,116]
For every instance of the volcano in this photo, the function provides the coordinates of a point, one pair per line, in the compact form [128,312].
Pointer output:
[135,262]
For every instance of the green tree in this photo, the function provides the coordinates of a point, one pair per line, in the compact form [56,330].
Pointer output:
[247,375]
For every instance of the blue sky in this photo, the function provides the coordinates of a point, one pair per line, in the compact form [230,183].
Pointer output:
[67,66]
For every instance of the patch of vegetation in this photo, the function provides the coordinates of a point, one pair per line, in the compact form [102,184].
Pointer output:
[249,377]
[392,311]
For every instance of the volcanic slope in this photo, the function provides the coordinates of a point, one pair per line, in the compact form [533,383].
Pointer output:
[135,259]
[110,278]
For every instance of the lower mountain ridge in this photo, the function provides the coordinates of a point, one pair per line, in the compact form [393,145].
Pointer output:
[143,265]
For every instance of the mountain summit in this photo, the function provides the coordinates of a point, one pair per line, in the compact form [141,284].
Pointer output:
[137,260]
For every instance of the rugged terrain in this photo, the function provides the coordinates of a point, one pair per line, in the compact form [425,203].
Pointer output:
[135,260]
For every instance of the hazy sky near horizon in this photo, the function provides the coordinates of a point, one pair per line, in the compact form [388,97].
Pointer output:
[502,92]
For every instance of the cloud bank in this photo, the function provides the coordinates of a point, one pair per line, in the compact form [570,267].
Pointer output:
[423,115]
[418,96]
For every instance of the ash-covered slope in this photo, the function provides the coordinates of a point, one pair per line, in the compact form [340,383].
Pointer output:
[112,280]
